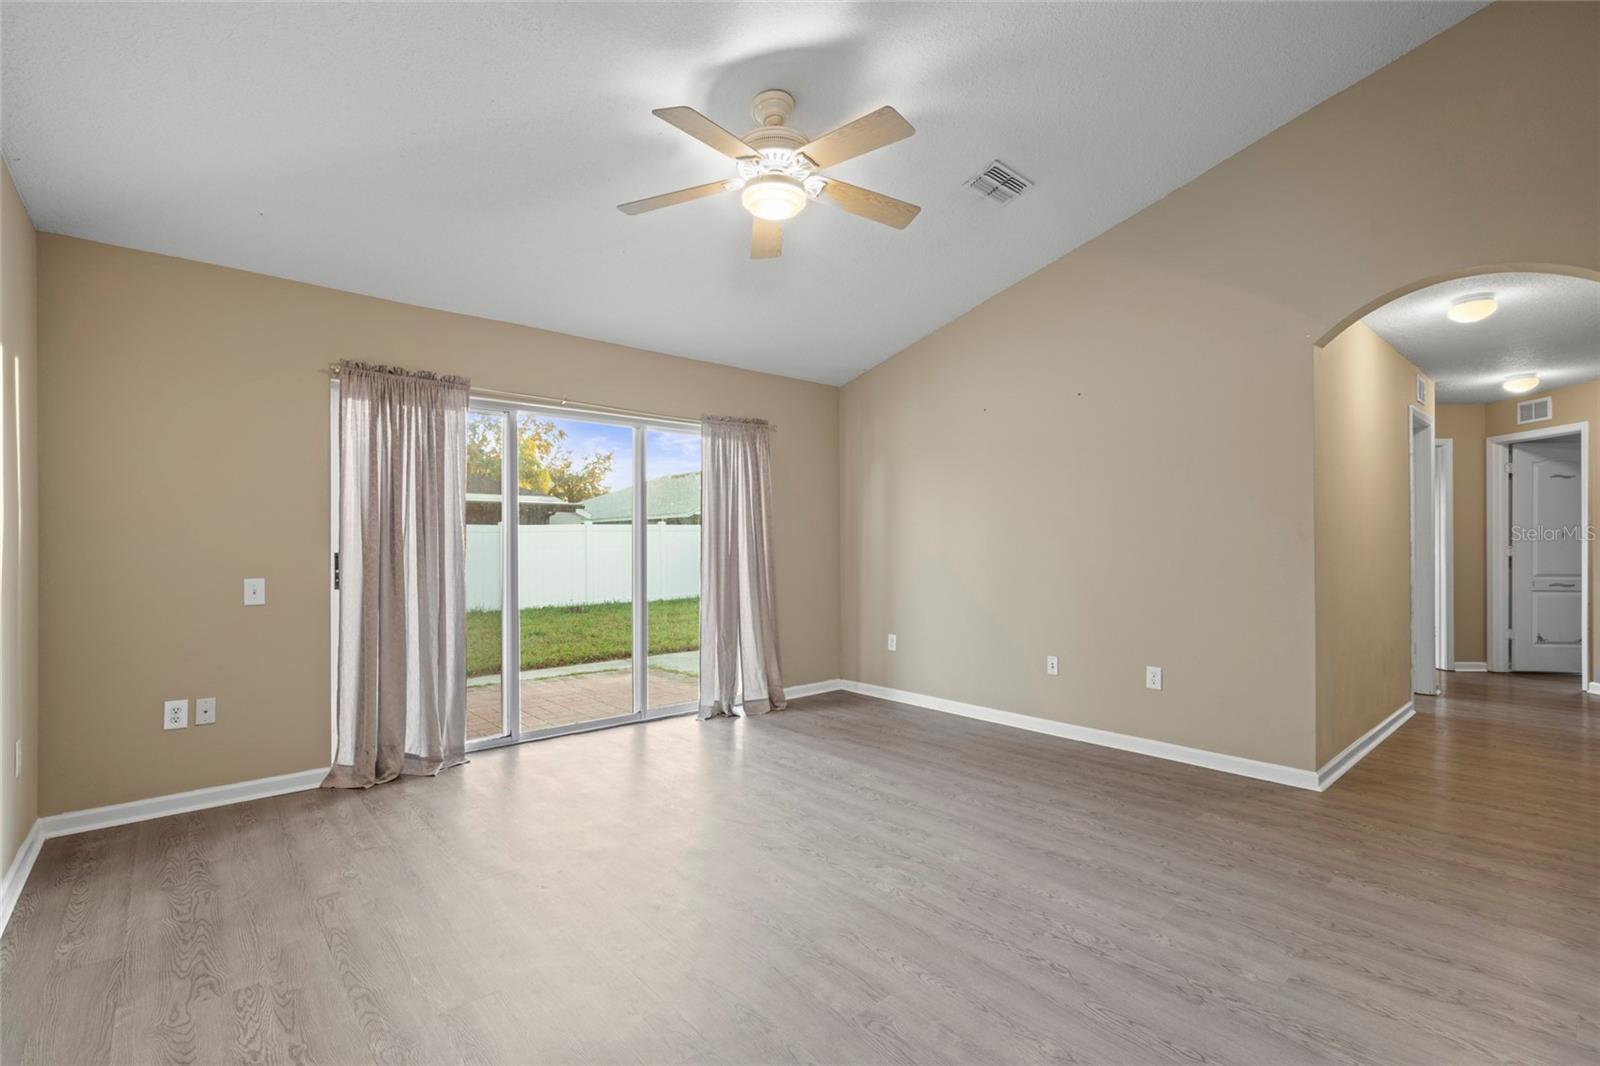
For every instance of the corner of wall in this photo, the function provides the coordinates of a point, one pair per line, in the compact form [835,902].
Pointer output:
[19,542]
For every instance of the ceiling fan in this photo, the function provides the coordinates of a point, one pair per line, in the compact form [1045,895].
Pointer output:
[778,168]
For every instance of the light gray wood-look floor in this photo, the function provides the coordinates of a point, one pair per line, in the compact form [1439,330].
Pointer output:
[851,881]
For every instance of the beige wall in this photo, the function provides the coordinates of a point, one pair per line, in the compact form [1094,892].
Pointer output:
[19,534]
[184,447]
[1364,392]
[1112,460]
[1464,424]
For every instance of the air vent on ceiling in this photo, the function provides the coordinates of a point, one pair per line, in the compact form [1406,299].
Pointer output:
[1539,410]
[1000,183]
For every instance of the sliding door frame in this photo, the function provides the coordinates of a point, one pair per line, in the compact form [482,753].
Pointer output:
[510,592]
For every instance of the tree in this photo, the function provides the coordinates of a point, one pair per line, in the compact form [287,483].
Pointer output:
[545,467]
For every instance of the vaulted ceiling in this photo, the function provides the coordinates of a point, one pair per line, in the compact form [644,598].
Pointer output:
[470,156]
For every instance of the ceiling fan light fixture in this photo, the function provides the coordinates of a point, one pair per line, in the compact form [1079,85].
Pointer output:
[1474,308]
[1521,383]
[774,197]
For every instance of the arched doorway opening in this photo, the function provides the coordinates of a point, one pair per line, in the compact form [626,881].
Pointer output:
[1492,582]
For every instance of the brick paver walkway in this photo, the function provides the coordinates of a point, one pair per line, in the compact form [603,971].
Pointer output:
[548,702]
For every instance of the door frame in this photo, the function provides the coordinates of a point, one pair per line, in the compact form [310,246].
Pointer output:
[511,621]
[1498,541]
[1423,603]
[1444,563]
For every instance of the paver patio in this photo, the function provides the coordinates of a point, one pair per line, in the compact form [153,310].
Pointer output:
[566,699]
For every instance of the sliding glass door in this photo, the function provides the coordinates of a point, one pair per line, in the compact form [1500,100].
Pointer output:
[672,526]
[582,563]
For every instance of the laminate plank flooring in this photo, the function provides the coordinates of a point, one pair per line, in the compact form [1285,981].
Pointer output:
[851,880]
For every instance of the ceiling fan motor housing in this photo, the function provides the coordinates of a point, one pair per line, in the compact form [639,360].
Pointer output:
[772,109]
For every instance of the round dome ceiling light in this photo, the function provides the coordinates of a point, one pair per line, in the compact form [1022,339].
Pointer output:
[774,197]
[1474,308]
[1521,383]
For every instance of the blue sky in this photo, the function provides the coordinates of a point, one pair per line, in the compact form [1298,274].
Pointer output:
[667,452]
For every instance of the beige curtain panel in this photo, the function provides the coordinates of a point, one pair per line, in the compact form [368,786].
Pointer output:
[402,555]
[738,613]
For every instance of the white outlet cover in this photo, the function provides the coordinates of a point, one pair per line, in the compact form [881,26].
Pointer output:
[255,591]
[175,714]
[1152,678]
[1052,665]
[19,756]
[205,710]
[891,642]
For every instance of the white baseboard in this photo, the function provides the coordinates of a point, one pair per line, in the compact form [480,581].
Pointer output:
[61,825]
[1160,749]
[17,874]
[815,688]
[1472,668]
[1337,766]
[1315,780]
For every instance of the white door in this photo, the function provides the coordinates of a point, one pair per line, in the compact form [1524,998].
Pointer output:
[1546,557]
[1424,653]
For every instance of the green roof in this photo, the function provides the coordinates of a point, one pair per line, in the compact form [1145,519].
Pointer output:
[674,496]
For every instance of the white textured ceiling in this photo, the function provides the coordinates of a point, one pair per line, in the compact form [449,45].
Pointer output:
[470,157]
[1548,324]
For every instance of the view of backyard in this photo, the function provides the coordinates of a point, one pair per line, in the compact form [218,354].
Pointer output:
[572,534]
[583,633]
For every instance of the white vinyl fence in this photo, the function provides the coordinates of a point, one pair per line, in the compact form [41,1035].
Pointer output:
[566,565]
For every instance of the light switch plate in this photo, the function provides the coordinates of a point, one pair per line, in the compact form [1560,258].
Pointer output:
[255,591]
[175,714]
[205,710]
[1152,677]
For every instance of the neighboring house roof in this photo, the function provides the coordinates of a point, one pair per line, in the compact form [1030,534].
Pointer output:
[666,498]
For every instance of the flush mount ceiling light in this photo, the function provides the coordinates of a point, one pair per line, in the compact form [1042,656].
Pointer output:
[1521,383]
[776,168]
[1474,308]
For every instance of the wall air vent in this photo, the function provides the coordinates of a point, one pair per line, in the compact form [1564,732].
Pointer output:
[1000,183]
[1540,410]
[1422,390]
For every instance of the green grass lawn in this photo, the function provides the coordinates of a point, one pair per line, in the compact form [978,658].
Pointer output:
[593,633]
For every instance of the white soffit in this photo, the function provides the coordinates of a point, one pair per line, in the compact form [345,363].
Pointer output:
[470,156]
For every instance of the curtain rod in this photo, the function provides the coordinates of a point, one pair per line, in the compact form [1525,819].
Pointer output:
[580,406]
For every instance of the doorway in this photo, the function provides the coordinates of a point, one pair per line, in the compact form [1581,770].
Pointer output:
[583,571]
[1424,605]
[1539,552]
[1444,552]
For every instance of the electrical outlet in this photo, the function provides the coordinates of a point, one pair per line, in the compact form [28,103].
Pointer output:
[891,642]
[1052,665]
[255,591]
[19,757]
[205,710]
[175,714]
[1152,677]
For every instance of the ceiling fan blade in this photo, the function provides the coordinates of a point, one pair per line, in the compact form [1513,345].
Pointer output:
[869,204]
[766,239]
[883,126]
[705,131]
[667,199]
